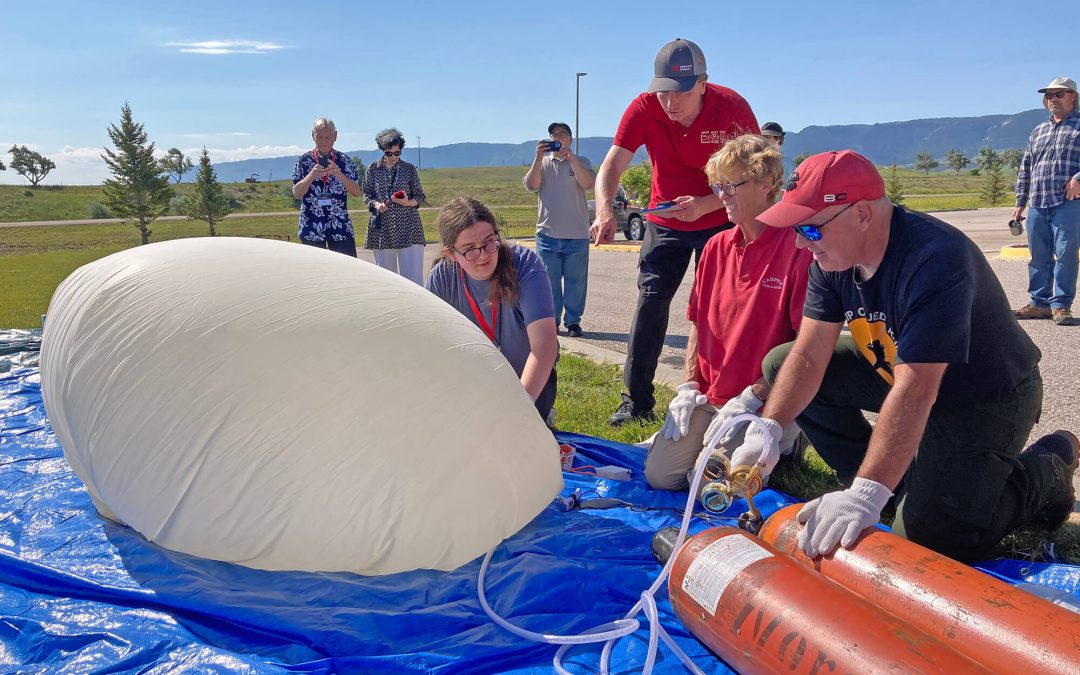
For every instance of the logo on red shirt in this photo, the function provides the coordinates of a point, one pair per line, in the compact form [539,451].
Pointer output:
[714,137]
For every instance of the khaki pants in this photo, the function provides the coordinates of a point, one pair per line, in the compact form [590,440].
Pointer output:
[670,464]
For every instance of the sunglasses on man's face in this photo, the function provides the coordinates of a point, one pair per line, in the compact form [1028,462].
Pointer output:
[813,232]
[392,153]
[1057,94]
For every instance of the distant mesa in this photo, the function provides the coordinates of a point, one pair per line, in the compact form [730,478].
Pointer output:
[884,143]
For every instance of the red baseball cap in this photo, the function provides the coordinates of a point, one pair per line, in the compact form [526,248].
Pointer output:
[824,180]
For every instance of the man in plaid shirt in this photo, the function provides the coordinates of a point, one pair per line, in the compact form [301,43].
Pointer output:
[1049,182]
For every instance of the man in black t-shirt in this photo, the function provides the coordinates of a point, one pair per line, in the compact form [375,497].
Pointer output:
[934,348]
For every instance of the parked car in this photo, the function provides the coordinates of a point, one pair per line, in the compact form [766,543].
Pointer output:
[628,217]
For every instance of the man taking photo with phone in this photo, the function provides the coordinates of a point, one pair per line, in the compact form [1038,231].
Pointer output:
[322,180]
[562,227]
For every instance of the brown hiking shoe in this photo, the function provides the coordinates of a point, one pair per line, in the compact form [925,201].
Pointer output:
[1063,448]
[1063,317]
[1030,311]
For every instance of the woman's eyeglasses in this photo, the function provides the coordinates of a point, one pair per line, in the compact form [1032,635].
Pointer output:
[394,153]
[472,254]
[813,232]
[727,188]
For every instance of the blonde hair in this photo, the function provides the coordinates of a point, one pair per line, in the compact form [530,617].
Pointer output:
[751,157]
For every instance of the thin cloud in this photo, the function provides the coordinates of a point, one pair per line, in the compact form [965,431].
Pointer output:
[215,134]
[250,152]
[219,47]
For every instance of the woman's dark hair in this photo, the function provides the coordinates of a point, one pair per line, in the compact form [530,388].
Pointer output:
[388,138]
[462,213]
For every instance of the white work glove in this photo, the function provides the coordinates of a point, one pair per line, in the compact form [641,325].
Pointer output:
[677,422]
[840,517]
[744,403]
[760,447]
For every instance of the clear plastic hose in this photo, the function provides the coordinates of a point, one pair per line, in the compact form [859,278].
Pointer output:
[609,632]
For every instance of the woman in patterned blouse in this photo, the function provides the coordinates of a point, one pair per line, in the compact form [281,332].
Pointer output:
[393,193]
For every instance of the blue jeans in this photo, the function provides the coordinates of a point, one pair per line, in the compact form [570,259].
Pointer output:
[567,263]
[1053,239]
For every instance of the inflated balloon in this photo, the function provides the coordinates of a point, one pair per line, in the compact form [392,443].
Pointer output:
[285,407]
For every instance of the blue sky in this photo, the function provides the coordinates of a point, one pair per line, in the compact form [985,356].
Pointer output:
[246,79]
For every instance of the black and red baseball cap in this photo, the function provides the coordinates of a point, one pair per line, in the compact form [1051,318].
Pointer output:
[678,64]
[821,181]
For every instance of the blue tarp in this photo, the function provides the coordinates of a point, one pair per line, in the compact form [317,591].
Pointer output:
[80,594]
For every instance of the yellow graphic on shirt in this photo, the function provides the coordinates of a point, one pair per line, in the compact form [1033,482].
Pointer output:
[875,343]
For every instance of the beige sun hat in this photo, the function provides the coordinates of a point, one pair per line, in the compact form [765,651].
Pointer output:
[1063,83]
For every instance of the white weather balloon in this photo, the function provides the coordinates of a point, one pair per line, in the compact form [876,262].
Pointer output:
[283,407]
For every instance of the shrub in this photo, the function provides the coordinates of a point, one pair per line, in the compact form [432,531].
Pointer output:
[176,206]
[973,172]
[28,193]
[96,210]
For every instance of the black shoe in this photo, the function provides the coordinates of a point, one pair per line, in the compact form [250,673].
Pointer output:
[627,413]
[1064,450]
[573,330]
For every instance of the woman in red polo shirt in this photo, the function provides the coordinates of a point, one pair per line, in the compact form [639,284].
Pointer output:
[747,298]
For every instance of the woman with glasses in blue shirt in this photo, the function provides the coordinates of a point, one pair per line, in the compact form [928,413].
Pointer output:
[503,289]
[393,193]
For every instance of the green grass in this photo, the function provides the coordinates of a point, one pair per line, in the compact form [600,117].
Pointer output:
[589,393]
[34,260]
[495,186]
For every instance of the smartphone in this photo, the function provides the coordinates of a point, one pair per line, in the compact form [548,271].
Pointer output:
[662,206]
[400,194]
[324,160]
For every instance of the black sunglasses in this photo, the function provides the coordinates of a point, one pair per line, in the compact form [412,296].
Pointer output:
[813,232]
[1056,94]
[395,153]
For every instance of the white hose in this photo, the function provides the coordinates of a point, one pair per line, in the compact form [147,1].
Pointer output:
[609,632]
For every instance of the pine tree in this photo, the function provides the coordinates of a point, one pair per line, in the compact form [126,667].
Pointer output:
[138,191]
[207,201]
[994,188]
[894,186]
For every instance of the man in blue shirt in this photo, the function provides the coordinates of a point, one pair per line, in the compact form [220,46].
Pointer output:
[1049,182]
[322,179]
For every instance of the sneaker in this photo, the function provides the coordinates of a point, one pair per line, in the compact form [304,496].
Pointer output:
[627,413]
[797,449]
[1065,453]
[1031,311]
[1063,317]
[573,330]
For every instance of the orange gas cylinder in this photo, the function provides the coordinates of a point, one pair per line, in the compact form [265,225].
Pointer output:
[762,612]
[1003,628]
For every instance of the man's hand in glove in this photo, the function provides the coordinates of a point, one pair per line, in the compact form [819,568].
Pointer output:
[744,403]
[840,517]
[677,422]
[760,447]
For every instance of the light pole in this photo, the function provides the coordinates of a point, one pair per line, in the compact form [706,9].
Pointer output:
[418,164]
[577,112]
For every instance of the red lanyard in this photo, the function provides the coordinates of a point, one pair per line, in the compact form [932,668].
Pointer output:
[488,330]
[315,155]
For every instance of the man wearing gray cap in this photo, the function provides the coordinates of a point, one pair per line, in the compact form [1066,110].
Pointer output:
[773,133]
[1049,182]
[681,120]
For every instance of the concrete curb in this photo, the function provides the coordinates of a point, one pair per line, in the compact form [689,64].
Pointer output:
[672,377]
[630,248]
[1015,252]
